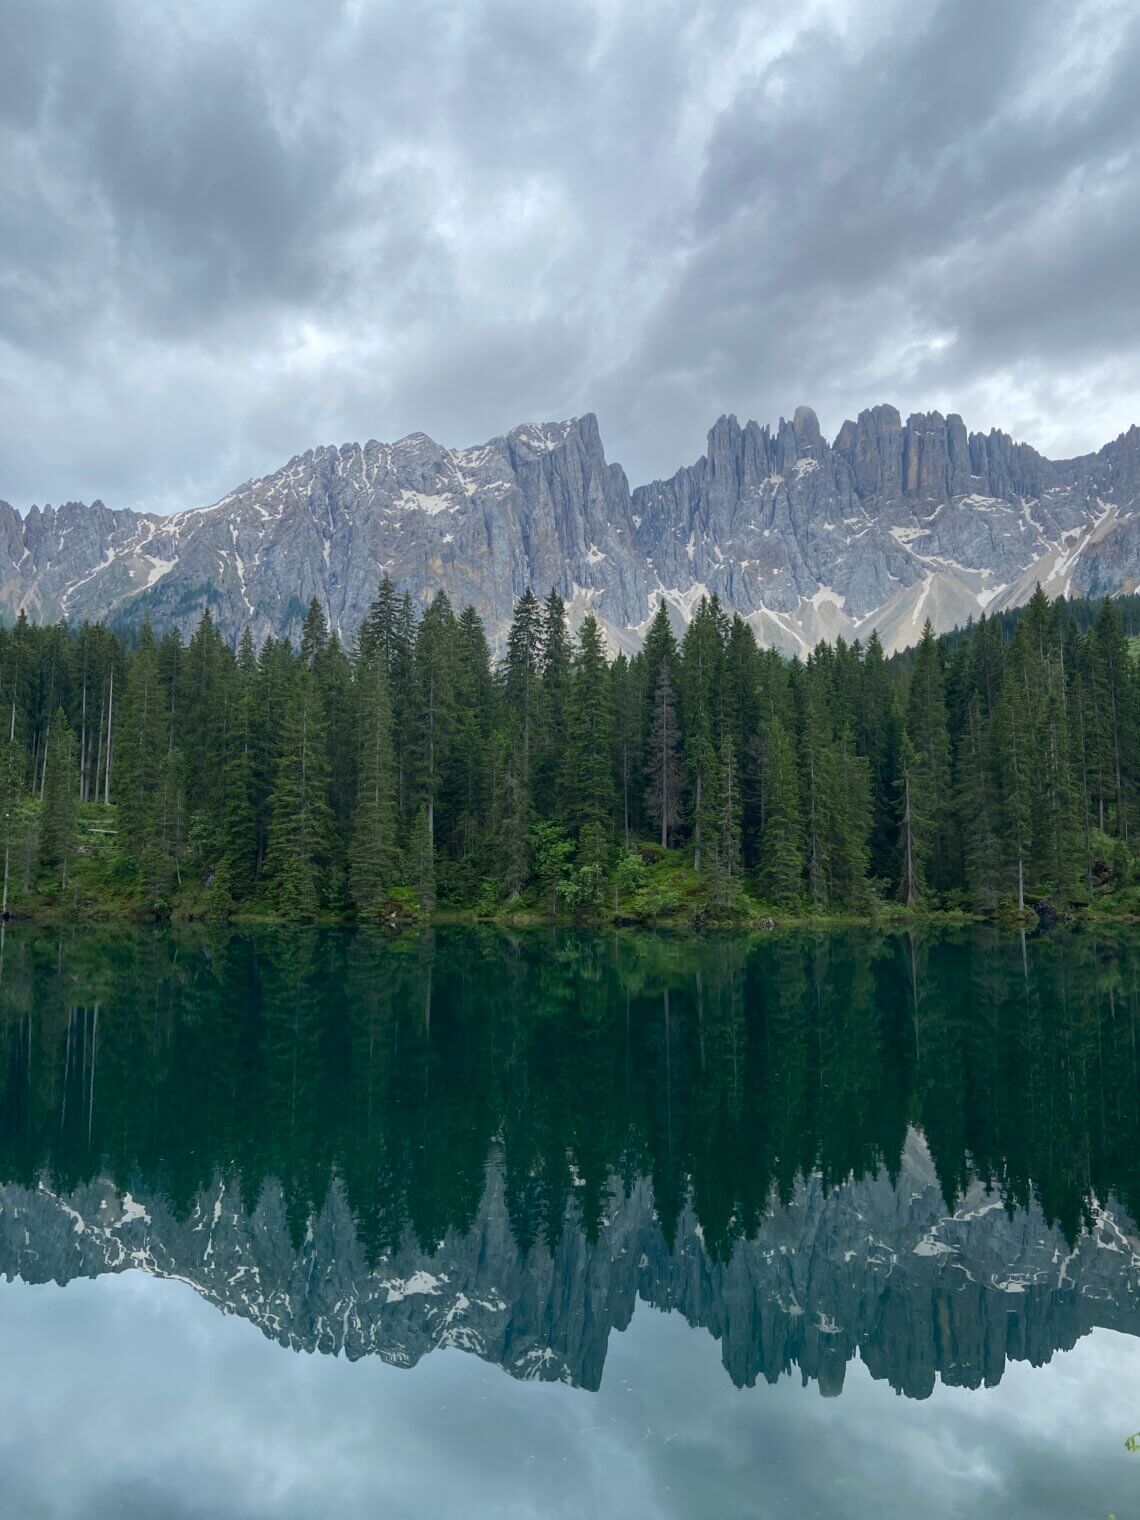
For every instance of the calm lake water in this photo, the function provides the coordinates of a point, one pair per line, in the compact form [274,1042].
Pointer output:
[306,1223]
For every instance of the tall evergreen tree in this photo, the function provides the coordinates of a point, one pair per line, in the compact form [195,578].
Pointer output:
[299,814]
[374,853]
[928,731]
[700,678]
[782,841]
[977,809]
[60,796]
[587,775]
[556,662]
[238,856]
[662,758]
[434,706]
[726,845]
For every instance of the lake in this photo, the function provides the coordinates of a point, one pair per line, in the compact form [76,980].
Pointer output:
[308,1222]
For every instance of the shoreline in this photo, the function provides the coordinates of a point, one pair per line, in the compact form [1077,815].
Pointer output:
[887,918]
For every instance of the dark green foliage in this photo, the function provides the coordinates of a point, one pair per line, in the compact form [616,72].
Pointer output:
[586,743]
[989,768]
[782,834]
[373,851]
[60,798]
[663,757]
[299,814]
[723,1069]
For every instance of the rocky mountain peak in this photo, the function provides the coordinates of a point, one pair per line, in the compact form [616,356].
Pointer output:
[871,1268]
[890,524]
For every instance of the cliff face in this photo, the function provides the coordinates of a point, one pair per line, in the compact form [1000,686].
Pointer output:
[889,525]
[871,1269]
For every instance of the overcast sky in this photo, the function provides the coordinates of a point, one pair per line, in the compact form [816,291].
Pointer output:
[128,1398]
[232,229]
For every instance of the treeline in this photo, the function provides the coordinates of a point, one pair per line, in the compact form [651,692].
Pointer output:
[986,768]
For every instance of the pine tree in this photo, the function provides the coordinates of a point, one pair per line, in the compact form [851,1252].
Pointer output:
[314,632]
[196,688]
[624,693]
[467,786]
[423,859]
[726,845]
[1013,741]
[433,706]
[878,736]
[60,798]
[299,814]
[662,759]
[142,742]
[914,831]
[377,633]
[742,722]
[521,681]
[700,679]
[587,776]
[333,673]
[510,818]
[374,856]
[782,840]
[849,822]
[977,809]
[928,731]
[555,669]
[817,783]
[13,766]
[238,860]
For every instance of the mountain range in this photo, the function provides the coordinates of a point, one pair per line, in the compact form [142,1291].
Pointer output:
[890,524]
[872,1268]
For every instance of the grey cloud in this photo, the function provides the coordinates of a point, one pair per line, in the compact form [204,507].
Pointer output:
[900,220]
[131,1397]
[235,230]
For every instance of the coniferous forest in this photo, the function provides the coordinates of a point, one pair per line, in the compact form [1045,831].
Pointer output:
[703,779]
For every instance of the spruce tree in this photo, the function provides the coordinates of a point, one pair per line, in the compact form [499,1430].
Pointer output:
[928,731]
[700,678]
[878,736]
[238,859]
[13,766]
[333,673]
[196,700]
[555,668]
[299,814]
[587,775]
[314,632]
[510,817]
[467,784]
[433,706]
[1012,727]
[373,854]
[977,810]
[624,692]
[782,838]
[141,740]
[662,758]
[726,844]
[521,680]
[914,830]
[60,798]
[422,852]
[377,633]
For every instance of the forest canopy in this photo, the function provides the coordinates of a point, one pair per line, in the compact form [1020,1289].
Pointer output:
[983,769]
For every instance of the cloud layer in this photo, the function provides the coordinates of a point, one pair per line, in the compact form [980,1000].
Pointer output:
[236,229]
[129,1398]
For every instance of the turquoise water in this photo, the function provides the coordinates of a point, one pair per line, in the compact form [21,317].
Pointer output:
[568,1224]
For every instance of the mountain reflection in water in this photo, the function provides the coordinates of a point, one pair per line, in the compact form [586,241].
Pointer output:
[921,1150]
